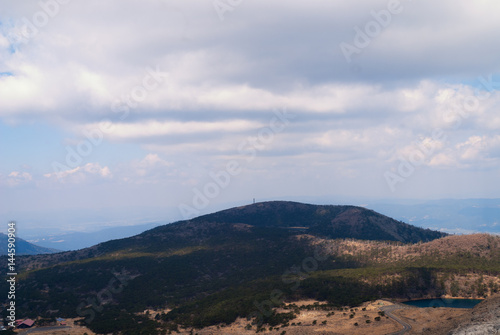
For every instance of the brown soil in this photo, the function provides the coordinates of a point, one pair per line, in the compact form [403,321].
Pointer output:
[427,321]
[431,320]
[339,323]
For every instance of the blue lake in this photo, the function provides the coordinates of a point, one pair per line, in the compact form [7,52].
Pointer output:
[451,303]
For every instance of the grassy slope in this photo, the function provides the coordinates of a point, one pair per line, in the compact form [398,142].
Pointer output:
[216,281]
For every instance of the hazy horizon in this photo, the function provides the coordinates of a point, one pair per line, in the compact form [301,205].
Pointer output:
[447,215]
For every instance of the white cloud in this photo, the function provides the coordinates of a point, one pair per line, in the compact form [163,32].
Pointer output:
[153,128]
[443,160]
[152,169]
[222,81]
[81,174]
[479,148]
[16,178]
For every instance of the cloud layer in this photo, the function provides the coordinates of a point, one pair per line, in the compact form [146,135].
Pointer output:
[193,87]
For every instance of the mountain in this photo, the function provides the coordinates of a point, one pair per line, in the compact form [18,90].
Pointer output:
[284,218]
[23,247]
[327,221]
[245,261]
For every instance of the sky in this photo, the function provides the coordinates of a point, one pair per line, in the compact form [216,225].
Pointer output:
[171,108]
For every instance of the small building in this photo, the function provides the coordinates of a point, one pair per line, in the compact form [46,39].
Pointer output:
[27,323]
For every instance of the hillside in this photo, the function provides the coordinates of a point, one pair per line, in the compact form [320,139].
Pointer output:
[473,246]
[482,319]
[244,262]
[454,266]
[23,247]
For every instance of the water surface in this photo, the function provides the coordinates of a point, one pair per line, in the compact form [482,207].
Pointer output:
[451,303]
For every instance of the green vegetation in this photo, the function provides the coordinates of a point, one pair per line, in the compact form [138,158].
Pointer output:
[246,262]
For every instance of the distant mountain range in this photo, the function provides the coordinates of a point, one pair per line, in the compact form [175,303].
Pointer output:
[458,216]
[23,247]
[80,240]
[218,267]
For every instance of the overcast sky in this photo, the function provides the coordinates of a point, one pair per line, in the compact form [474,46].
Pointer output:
[190,104]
